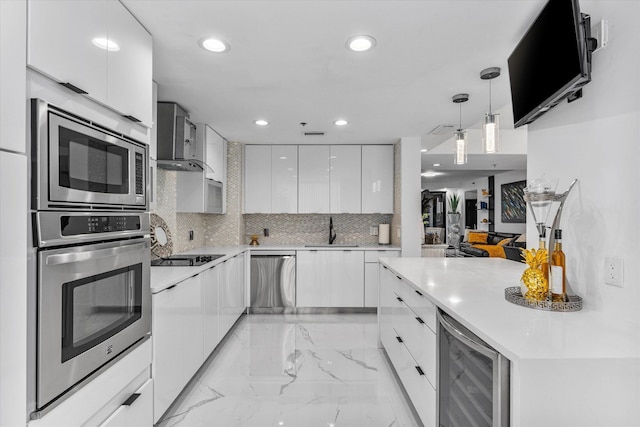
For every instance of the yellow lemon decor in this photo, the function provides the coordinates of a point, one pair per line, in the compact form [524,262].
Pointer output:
[533,278]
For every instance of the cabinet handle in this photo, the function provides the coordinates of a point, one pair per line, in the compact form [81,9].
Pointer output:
[346,250]
[74,88]
[419,320]
[399,278]
[419,369]
[170,287]
[384,267]
[419,293]
[131,399]
[399,299]
[133,119]
[399,339]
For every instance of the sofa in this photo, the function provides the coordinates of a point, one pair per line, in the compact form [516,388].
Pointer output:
[478,243]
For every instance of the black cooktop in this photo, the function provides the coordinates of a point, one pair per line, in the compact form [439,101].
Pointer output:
[183,260]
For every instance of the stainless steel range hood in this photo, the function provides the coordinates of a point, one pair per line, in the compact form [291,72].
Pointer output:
[177,145]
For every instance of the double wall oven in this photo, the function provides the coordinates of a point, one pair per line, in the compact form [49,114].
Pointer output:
[89,286]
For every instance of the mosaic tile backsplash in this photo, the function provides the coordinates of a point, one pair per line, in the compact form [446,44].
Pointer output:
[234,228]
[314,228]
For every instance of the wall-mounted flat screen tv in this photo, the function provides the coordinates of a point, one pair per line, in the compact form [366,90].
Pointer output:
[551,62]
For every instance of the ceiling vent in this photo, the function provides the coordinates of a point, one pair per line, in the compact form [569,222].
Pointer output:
[314,133]
[442,129]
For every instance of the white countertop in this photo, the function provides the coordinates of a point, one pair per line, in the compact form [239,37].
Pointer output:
[472,291]
[163,277]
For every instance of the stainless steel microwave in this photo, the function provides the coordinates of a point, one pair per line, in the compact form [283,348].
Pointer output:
[79,164]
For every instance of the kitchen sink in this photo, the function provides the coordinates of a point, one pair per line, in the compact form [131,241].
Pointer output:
[334,245]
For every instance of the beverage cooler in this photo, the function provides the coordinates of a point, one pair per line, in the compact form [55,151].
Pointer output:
[473,379]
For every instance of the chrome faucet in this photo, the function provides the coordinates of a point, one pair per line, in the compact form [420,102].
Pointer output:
[332,233]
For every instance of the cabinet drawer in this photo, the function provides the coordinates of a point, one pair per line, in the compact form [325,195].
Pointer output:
[419,390]
[419,340]
[137,410]
[372,256]
[417,301]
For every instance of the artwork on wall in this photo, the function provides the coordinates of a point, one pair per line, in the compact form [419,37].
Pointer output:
[514,208]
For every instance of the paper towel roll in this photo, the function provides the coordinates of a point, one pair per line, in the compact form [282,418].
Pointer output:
[383,234]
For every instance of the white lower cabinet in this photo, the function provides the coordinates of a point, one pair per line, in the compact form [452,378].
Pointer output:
[177,340]
[331,278]
[189,320]
[371,274]
[135,411]
[210,288]
[409,341]
[120,396]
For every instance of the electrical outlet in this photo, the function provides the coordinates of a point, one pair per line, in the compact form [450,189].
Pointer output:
[190,234]
[613,271]
[373,231]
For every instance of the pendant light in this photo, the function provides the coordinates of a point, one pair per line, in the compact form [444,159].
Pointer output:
[491,124]
[460,136]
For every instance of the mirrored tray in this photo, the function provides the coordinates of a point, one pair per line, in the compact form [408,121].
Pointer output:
[514,295]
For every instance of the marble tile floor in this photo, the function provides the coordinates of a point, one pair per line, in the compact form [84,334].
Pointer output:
[295,371]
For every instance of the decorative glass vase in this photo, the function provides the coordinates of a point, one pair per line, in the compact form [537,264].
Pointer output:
[454,230]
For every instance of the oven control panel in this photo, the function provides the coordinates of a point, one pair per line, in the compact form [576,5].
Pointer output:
[75,225]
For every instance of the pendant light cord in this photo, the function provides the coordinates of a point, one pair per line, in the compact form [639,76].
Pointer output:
[489,96]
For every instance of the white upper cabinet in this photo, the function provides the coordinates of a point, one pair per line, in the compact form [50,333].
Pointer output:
[257,179]
[377,179]
[129,70]
[345,179]
[313,179]
[63,39]
[318,179]
[284,179]
[215,152]
[60,35]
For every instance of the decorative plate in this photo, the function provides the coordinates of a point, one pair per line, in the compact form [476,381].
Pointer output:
[161,243]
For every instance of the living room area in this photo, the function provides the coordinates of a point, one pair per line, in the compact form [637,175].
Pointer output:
[480,217]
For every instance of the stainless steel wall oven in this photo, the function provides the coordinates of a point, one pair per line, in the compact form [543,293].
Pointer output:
[89,285]
[79,164]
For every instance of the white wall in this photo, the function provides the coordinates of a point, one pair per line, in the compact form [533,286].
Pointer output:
[13,214]
[410,198]
[596,139]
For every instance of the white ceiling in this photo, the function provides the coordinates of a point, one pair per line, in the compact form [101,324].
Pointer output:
[288,64]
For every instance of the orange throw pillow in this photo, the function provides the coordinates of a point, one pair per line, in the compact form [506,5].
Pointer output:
[503,242]
[478,237]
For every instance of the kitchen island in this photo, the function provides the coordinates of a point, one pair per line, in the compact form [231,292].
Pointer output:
[567,369]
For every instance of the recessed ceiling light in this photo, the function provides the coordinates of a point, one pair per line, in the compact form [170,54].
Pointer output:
[215,45]
[424,150]
[341,122]
[430,174]
[361,43]
[106,44]
[436,164]
[261,122]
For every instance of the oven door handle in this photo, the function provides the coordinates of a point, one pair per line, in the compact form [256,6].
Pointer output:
[89,255]
[480,348]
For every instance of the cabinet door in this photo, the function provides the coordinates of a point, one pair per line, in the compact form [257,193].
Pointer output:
[192,325]
[313,179]
[284,179]
[371,284]
[386,304]
[257,179]
[167,335]
[139,412]
[60,43]
[345,179]
[240,285]
[314,275]
[129,70]
[347,285]
[215,154]
[228,296]
[377,179]
[210,289]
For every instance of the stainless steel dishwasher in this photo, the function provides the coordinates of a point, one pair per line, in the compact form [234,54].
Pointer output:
[273,281]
